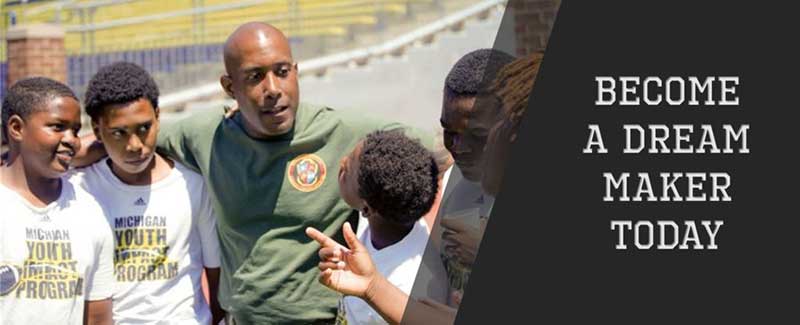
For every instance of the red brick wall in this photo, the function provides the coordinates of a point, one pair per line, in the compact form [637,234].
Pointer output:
[36,50]
[533,21]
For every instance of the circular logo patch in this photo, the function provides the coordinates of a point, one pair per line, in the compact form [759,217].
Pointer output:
[9,278]
[306,172]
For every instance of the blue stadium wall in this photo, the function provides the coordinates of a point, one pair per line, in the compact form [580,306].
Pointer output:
[80,68]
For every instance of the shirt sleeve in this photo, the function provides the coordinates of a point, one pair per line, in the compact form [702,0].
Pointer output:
[173,141]
[207,228]
[364,124]
[426,138]
[100,279]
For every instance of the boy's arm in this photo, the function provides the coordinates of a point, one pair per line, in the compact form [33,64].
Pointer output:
[217,314]
[207,228]
[389,301]
[97,312]
[91,151]
[100,279]
[173,142]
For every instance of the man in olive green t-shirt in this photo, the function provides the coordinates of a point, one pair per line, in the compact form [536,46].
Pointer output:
[271,170]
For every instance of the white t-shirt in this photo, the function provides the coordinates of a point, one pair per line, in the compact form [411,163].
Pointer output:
[164,234]
[399,264]
[52,259]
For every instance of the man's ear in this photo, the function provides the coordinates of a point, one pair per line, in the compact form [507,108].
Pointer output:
[227,85]
[15,128]
[158,111]
[295,67]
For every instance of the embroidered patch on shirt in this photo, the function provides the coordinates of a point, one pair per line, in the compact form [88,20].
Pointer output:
[306,172]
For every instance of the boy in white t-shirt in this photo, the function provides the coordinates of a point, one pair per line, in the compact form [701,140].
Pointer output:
[159,210]
[56,264]
[393,181]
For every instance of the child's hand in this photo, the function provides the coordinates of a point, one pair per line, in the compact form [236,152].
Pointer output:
[346,270]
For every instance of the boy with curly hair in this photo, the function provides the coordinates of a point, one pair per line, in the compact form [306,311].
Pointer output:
[392,180]
[56,264]
[159,210]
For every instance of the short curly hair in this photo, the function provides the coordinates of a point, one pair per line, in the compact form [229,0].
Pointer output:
[397,176]
[119,83]
[474,72]
[30,95]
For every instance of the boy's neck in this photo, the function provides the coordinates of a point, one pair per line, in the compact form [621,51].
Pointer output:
[385,234]
[158,169]
[38,190]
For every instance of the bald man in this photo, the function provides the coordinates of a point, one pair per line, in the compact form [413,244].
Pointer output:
[271,170]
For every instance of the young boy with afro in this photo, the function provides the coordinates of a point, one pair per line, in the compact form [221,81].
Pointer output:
[392,180]
[159,210]
[56,251]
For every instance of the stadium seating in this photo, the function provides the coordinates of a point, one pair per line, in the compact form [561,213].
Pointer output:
[168,35]
[130,25]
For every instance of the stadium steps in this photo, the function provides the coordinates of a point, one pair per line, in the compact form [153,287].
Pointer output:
[317,18]
[413,93]
[314,46]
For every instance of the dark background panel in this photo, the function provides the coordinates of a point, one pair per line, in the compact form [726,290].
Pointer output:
[548,254]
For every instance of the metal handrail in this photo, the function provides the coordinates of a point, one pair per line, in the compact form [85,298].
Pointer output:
[344,58]
[400,42]
[58,5]
[96,4]
[166,15]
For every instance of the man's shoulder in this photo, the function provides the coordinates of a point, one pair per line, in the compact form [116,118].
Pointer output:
[205,116]
[196,123]
[356,124]
[315,113]
[189,139]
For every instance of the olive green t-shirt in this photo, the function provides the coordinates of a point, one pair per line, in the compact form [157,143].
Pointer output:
[265,193]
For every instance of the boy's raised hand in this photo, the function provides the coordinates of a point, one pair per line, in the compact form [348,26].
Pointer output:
[348,270]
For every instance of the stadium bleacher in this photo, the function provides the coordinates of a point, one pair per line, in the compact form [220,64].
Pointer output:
[175,35]
[106,25]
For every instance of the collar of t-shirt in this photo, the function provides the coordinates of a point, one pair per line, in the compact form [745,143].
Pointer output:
[398,247]
[104,169]
[288,136]
[66,192]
